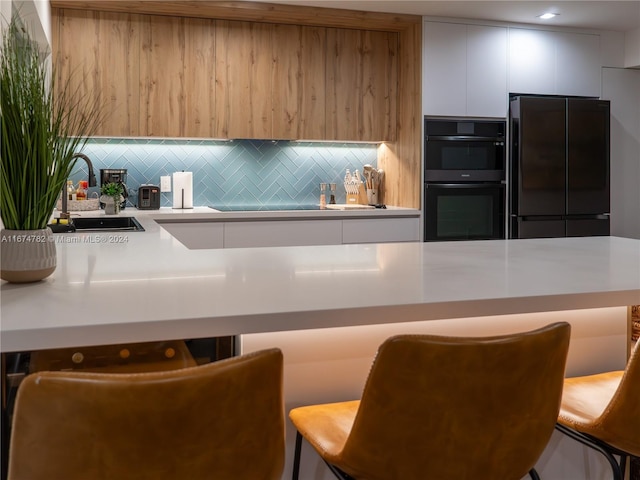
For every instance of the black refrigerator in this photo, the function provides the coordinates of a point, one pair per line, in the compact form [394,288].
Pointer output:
[558,167]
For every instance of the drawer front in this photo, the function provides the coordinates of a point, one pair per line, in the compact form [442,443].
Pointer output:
[381,230]
[282,233]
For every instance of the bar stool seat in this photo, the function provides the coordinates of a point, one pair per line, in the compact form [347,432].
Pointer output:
[437,407]
[602,411]
[585,398]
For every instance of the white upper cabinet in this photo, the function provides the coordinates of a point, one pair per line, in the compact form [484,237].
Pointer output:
[464,70]
[578,66]
[469,70]
[486,71]
[554,63]
[531,61]
[444,77]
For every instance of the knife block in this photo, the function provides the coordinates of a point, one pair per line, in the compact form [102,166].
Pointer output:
[362,195]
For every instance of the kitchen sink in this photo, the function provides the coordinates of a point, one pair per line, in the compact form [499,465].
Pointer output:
[107,224]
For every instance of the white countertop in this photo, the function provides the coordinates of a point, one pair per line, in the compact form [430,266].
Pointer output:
[144,286]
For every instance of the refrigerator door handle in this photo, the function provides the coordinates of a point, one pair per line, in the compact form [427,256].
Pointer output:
[538,218]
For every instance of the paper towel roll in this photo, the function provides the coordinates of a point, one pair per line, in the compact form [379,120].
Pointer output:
[183,190]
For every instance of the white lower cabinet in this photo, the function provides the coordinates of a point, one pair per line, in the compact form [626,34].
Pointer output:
[381,230]
[282,233]
[197,235]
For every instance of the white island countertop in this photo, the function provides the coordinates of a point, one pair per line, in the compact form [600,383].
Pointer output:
[146,286]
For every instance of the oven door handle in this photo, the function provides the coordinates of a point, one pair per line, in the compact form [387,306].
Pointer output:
[463,138]
[464,185]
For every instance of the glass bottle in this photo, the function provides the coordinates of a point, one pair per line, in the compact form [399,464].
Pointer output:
[71,192]
[81,192]
[332,198]
[323,196]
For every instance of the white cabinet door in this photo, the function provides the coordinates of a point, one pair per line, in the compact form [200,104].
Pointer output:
[444,67]
[532,59]
[578,69]
[554,63]
[282,233]
[381,230]
[197,235]
[464,70]
[486,71]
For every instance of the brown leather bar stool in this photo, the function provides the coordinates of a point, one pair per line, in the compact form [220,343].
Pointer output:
[445,408]
[222,420]
[602,411]
[122,358]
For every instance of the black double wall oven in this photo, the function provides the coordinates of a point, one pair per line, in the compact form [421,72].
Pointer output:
[464,179]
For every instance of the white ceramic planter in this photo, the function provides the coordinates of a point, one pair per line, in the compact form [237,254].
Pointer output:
[27,255]
[111,207]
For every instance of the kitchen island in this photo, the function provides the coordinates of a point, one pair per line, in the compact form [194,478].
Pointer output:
[112,287]
[328,301]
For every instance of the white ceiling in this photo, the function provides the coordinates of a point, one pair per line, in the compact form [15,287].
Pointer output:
[601,15]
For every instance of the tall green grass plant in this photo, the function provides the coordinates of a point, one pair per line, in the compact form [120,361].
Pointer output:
[42,124]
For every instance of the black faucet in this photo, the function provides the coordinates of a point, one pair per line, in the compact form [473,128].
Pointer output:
[92,183]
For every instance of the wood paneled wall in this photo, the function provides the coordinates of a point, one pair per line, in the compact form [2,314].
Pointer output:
[251,11]
[402,159]
[234,100]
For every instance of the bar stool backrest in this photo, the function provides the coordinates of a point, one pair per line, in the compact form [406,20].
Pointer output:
[222,420]
[450,407]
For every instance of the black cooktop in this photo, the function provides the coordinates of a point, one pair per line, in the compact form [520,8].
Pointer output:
[263,208]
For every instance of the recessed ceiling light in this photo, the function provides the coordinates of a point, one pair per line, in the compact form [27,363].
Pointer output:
[548,15]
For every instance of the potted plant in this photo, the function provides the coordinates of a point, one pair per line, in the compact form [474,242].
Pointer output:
[112,197]
[42,124]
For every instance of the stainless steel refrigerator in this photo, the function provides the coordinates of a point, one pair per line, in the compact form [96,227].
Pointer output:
[558,167]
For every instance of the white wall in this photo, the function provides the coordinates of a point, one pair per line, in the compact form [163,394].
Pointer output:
[43,9]
[612,49]
[622,88]
[5,13]
[36,16]
[632,48]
